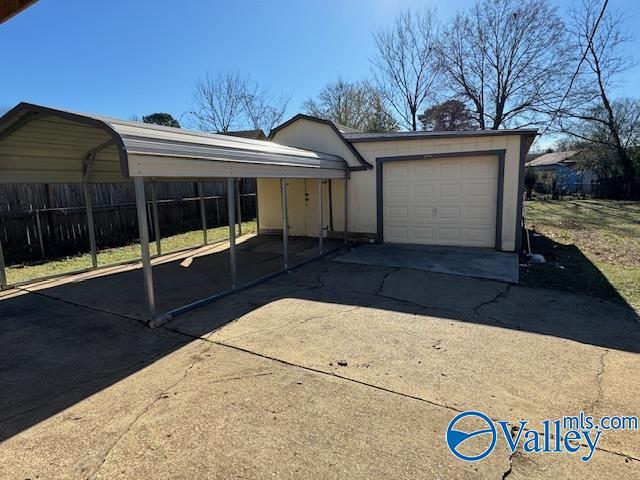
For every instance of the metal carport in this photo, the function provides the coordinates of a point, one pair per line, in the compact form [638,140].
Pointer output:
[45,145]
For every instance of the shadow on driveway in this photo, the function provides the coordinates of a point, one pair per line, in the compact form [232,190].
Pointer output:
[54,352]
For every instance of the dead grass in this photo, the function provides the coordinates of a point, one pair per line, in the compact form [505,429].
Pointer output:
[605,233]
[22,273]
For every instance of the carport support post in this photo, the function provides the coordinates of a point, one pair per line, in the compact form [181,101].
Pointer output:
[156,220]
[285,223]
[203,213]
[144,246]
[231,214]
[321,224]
[239,207]
[346,210]
[90,224]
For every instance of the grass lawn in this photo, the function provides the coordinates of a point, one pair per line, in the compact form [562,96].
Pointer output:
[592,247]
[21,273]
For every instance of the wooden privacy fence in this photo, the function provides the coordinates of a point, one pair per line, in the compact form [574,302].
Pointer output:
[50,221]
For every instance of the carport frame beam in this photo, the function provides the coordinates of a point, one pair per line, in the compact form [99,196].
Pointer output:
[203,213]
[239,209]
[90,223]
[156,219]
[346,211]
[143,228]
[321,223]
[285,223]
[231,215]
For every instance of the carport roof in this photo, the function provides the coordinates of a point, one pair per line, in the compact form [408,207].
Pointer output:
[44,145]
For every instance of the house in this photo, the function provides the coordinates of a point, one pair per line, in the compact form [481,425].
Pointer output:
[565,169]
[436,188]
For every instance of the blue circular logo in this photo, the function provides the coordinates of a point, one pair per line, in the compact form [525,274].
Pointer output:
[456,438]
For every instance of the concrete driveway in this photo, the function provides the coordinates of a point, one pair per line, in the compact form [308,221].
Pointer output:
[335,370]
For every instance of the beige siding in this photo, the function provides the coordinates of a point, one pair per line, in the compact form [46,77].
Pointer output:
[303,210]
[315,136]
[362,185]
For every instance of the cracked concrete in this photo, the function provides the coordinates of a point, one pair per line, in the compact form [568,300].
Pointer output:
[251,387]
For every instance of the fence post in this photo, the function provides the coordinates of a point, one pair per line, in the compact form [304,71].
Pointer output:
[203,213]
[90,224]
[156,220]
[40,239]
[144,246]
[232,230]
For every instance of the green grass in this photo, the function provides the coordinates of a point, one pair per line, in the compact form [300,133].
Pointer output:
[593,247]
[21,273]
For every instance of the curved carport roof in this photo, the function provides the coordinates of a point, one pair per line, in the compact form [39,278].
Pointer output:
[45,145]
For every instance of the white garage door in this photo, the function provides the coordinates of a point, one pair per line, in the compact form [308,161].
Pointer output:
[448,201]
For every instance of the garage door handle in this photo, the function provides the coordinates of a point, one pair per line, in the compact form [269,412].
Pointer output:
[435,212]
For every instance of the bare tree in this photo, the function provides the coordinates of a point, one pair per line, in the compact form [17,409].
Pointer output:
[358,105]
[599,35]
[508,59]
[218,102]
[262,110]
[406,66]
[232,101]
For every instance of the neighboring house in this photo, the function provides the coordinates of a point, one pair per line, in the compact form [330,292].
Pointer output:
[565,169]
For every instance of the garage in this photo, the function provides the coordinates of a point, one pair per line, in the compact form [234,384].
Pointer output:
[451,200]
[455,189]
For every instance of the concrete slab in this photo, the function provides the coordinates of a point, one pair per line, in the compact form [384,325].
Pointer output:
[465,261]
[120,289]
[336,370]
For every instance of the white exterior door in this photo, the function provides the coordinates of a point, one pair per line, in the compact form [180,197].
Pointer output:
[450,201]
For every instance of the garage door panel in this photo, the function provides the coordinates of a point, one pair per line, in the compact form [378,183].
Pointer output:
[423,213]
[423,233]
[397,213]
[450,190]
[449,201]
[398,171]
[423,191]
[398,191]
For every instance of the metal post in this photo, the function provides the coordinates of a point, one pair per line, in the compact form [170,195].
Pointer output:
[203,213]
[285,223]
[346,210]
[156,219]
[232,230]
[90,224]
[321,224]
[144,246]
[239,207]
[3,274]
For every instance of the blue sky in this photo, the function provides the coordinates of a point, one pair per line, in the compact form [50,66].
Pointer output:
[134,57]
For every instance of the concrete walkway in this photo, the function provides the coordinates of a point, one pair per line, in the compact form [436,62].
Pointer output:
[336,370]
[465,261]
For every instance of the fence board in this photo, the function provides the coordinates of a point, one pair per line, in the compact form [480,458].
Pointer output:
[55,216]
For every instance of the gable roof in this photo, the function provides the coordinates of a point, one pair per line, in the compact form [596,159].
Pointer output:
[553,158]
[330,124]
